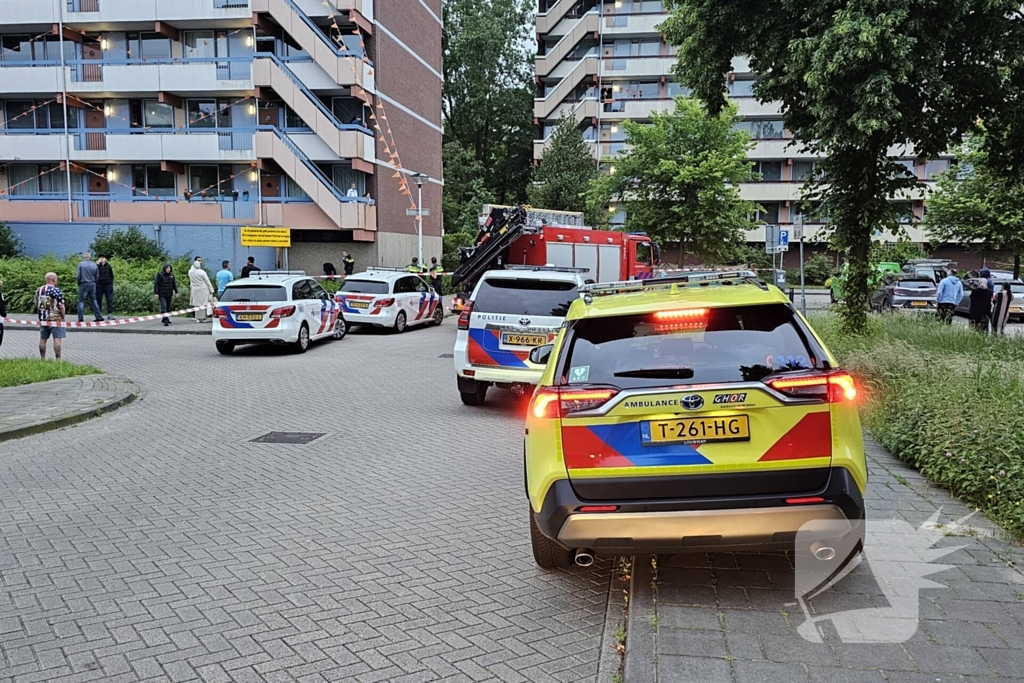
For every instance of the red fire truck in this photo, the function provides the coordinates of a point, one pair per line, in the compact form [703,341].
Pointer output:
[521,236]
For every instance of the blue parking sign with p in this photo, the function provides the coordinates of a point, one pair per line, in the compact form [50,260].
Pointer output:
[783,238]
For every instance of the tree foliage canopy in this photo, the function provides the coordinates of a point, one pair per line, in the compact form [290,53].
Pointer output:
[561,181]
[978,205]
[679,180]
[854,79]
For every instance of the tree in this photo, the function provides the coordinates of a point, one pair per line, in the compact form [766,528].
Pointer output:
[487,98]
[854,79]
[565,172]
[978,205]
[10,243]
[128,244]
[679,180]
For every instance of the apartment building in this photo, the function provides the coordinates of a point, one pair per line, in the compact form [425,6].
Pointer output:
[603,62]
[193,118]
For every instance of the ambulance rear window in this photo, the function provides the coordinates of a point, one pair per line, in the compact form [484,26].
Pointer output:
[525,297]
[245,293]
[729,344]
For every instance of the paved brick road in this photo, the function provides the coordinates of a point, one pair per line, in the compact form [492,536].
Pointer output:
[158,544]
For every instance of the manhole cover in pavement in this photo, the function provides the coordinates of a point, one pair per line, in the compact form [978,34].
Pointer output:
[447,355]
[288,437]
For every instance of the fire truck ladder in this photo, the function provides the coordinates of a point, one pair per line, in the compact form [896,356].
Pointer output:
[500,230]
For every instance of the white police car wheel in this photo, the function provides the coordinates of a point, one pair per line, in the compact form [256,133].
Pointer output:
[340,329]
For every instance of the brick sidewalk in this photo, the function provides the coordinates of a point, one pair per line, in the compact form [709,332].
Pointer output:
[40,407]
[734,618]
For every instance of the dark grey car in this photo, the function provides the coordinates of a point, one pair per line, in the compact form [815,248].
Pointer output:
[904,291]
[1016,306]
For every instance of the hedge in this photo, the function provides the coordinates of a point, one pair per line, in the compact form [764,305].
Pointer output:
[948,401]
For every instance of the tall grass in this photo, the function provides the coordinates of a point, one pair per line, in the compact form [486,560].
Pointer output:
[18,371]
[946,400]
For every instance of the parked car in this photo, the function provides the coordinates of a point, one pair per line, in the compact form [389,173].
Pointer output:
[996,275]
[1016,306]
[904,291]
[933,269]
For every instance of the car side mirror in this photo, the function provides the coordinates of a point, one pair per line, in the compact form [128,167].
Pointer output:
[539,355]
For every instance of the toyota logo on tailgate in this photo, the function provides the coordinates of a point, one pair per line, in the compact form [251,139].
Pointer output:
[692,402]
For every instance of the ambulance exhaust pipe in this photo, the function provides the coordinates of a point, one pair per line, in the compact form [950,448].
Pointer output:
[823,552]
[584,557]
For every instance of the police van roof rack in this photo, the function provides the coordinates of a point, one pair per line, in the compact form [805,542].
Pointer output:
[732,277]
[276,273]
[550,269]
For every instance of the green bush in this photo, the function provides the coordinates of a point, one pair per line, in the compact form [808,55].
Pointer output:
[946,400]
[133,283]
[128,244]
[10,245]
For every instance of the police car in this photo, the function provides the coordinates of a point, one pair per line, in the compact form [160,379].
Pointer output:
[389,297]
[276,307]
[511,312]
[692,413]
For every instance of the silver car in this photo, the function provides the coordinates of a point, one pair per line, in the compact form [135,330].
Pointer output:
[1016,306]
[904,291]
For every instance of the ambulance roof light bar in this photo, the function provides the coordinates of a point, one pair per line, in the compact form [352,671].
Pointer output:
[733,277]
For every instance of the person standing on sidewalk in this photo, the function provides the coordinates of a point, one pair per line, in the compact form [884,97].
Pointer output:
[105,286]
[201,289]
[86,276]
[981,306]
[49,303]
[437,280]
[951,291]
[1000,309]
[224,276]
[249,267]
[164,289]
[348,262]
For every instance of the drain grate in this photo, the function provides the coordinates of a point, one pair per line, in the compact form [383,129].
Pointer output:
[288,437]
[447,355]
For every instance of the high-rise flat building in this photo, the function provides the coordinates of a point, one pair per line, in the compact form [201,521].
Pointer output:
[605,62]
[193,118]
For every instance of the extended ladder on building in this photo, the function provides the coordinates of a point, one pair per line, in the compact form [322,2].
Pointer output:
[499,231]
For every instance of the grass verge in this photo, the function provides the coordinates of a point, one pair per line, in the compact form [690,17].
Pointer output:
[18,371]
[946,400]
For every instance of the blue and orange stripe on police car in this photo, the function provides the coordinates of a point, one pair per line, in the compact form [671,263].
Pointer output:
[230,322]
[478,352]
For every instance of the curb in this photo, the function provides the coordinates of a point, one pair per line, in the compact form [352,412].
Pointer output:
[76,417]
[641,661]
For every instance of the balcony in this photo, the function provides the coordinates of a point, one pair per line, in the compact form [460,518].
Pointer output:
[639,66]
[584,69]
[563,9]
[203,74]
[86,12]
[224,145]
[623,25]
[585,27]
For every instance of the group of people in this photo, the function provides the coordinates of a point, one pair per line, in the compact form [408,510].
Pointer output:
[988,306]
[201,290]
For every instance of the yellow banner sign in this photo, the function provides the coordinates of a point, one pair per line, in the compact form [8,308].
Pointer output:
[266,237]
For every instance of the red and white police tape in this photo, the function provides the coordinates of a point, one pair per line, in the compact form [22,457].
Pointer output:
[105,323]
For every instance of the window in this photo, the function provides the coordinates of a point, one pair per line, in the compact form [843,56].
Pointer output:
[29,180]
[23,48]
[768,130]
[735,344]
[345,176]
[198,44]
[407,285]
[249,293]
[301,291]
[364,287]
[677,89]
[318,291]
[27,114]
[613,132]
[905,212]
[769,214]
[157,115]
[811,211]
[643,253]
[148,46]
[213,180]
[771,171]
[16,48]
[150,181]
[803,170]
[935,167]
[208,113]
[909,165]
[525,297]
[742,87]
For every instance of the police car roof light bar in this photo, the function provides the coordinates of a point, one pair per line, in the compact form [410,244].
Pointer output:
[278,273]
[372,269]
[734,277]
[551,269]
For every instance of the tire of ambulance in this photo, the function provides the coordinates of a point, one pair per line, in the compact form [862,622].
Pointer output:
[340,330]
[438,316]
[400,323]
[225,347]
[475,397]
[302,343]
[546,553]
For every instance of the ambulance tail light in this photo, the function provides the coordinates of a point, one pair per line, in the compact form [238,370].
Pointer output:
[282,312]
[467,310]
[557,402]
[834,387]
[385,303]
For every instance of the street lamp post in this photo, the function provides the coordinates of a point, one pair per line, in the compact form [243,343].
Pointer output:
[419,212]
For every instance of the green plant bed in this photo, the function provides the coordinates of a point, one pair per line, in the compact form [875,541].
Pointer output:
[18,371]
[948,401]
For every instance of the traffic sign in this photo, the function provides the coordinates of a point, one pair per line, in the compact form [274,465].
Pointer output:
[798,227]
[783,240]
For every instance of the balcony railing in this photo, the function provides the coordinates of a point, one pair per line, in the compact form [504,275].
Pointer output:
[94,5]
[91,71]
